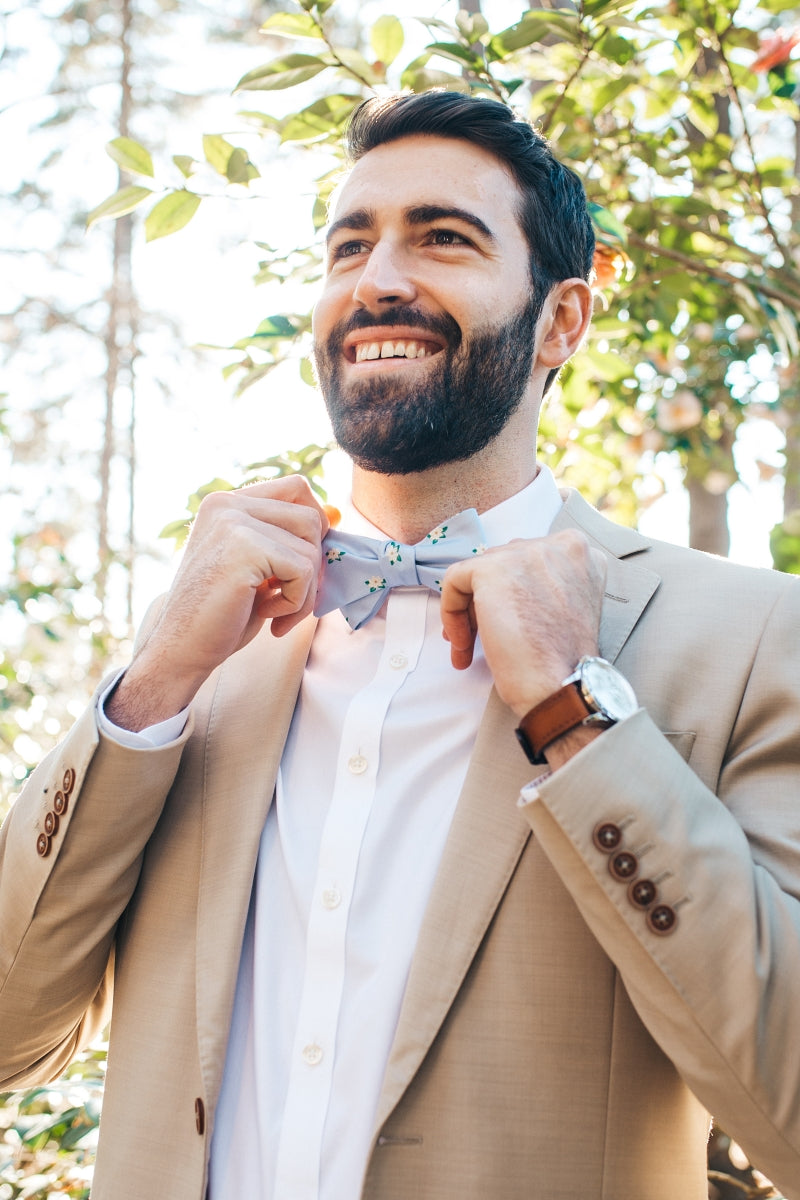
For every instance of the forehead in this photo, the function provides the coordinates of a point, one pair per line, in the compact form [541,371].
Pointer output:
[424,169]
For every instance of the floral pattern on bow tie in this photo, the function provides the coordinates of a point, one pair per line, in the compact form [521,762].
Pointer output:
[334,556]
[375,584]
[437,535]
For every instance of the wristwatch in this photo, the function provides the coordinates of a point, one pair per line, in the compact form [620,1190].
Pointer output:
[594,694]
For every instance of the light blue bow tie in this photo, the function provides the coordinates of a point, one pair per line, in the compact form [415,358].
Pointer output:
[360,571]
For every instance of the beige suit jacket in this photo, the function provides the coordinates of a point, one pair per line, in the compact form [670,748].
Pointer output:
[550,1044]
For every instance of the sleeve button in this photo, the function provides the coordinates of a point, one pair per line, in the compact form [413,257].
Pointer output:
[607,836]
[60,804]
[43,845]
[642,892]
[51,824]
[69,780]
[623,866]
[662,919]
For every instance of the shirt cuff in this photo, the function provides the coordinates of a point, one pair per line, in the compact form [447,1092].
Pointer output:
[153,736]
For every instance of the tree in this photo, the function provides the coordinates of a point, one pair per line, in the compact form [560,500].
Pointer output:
[677,118]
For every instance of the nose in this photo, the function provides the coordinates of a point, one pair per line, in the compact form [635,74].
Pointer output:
[385,278]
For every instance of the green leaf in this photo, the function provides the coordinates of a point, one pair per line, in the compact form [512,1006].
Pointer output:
[357,65]
[218,151]
[123,201]
[386,38]
[471,26]
[457,53]
[307,372]
[239,168]
[131,156]
[298,25]
[535,26]
[607,223]
[170,214]
[185,164]
[282,73]
[321,119]
[278,326]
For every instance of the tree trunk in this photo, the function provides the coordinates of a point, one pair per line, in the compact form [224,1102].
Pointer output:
[119,339]
[708,518]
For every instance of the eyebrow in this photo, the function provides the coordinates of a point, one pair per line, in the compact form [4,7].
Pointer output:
[419,214]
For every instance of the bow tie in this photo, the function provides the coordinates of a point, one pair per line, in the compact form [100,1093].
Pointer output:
[359,572]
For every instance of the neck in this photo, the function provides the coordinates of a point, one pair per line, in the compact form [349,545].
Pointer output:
[406,507]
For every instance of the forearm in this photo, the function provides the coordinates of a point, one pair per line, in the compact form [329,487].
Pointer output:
[718,990]
[60,898]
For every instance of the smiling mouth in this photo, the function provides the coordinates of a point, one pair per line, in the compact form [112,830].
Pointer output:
[373,345]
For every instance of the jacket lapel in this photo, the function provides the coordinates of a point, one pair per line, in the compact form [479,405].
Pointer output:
[488,833]
[247,723]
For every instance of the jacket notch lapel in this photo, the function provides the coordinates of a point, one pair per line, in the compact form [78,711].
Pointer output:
[248,721]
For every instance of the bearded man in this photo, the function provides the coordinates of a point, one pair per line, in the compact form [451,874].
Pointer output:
[362,939]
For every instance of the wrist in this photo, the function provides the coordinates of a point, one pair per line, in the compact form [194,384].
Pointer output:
[146,697]
[590,699]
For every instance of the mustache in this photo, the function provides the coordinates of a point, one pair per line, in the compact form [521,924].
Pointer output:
[443,325]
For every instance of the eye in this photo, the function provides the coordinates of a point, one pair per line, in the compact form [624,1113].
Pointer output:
[447,237]
[346,250]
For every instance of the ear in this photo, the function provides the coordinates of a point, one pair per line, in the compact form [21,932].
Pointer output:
[564,321]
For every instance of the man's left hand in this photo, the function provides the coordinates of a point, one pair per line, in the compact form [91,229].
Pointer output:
[536,604]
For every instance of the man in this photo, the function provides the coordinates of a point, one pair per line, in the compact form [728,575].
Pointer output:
[362,946]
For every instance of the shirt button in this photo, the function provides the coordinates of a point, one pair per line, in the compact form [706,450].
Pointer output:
[312,1054]
[357,765]
[398,661]
[331,897]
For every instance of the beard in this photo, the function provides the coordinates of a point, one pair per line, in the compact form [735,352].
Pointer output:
[465,397]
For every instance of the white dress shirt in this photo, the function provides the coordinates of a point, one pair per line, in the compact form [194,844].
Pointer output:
[374,762]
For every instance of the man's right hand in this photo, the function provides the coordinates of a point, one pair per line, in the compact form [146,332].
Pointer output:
[253,554]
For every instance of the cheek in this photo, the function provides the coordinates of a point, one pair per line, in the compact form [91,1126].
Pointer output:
[329,309]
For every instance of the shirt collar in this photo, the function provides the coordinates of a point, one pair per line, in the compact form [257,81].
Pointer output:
[528,513]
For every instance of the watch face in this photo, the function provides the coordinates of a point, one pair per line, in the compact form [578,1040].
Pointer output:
[606,690]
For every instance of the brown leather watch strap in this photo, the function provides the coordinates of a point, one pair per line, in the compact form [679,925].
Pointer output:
[551,718]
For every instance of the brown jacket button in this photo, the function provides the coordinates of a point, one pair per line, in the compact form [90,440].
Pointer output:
[69,780]
[623,866]
[60,804]
[662,919]
[607,836]
[200,1116]
[51,824]
[43,845]
[642,892]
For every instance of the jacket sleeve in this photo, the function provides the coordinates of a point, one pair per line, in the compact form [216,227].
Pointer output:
[70,854]
[712,960]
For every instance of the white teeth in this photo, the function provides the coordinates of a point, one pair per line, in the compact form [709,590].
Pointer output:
[410,349]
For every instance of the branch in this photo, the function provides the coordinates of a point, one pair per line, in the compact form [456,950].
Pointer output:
[788,299]
[735,100]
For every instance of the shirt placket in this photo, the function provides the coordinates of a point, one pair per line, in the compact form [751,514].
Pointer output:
[313,1052]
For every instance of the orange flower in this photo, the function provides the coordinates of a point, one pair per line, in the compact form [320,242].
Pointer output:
[776,49]
[608,265]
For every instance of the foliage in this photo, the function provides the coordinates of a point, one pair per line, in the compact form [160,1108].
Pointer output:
[48,1134]
[307,462]
[677,117]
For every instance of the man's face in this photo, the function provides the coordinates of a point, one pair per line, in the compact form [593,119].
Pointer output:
[424,333]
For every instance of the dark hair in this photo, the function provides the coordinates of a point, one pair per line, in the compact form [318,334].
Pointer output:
[553,214]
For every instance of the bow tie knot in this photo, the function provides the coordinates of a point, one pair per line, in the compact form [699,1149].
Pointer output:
[359,572]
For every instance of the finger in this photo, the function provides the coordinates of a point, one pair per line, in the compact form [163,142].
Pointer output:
[459,624]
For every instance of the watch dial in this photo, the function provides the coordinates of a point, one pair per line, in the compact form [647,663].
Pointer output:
[607,690]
